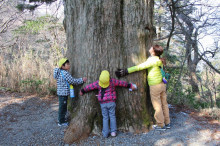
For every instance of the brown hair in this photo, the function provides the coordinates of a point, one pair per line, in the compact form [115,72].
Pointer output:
[158,50]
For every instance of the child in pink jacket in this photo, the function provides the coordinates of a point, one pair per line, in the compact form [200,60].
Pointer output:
[107,97]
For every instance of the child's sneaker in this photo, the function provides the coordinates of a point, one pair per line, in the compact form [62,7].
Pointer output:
[63,124]
[159,128]
[113,134]
[167,126]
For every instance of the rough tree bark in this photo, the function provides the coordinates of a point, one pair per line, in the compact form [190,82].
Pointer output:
[108,34]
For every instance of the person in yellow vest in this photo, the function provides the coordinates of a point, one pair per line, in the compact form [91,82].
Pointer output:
[157,87]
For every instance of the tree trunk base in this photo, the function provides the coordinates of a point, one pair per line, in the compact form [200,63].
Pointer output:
[78,130]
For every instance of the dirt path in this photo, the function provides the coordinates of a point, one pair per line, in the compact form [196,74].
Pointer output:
[32,120]
[29,120]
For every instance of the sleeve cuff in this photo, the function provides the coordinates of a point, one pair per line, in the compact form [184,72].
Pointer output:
[82,80]
[83,91]
[129,85]
[132,69]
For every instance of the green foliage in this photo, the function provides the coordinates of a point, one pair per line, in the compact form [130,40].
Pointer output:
[52,90]
[32,84]
[218,103]
[34,26]
[218,90]
[42,40]
[186,98]
[5,89]
[170,58]
[180,90]
[32,7]
[22,7]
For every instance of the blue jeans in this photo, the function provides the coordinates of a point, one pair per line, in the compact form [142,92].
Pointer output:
[108,112]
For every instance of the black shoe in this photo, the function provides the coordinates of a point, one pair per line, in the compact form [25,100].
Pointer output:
[167,126]
[159,128]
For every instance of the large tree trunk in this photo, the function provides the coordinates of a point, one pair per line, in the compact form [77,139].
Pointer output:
[108,34]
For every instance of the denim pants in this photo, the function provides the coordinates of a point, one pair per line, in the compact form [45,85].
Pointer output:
[62,109]
[108,112]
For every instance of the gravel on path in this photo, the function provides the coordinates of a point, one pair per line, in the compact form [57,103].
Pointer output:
[32,120]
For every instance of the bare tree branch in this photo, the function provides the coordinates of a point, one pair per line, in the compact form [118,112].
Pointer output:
[10,21]
[210,64]
[172,13]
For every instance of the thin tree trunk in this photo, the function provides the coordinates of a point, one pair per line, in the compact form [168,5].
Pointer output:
[194,81]
[108,34]
[214,88]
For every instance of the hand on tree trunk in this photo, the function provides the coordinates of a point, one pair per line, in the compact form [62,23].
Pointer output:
[81,93]
[84,79]
[121,72]
[133,87]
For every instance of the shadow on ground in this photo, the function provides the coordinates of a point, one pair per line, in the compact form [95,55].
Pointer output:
[32,120]
[29,120]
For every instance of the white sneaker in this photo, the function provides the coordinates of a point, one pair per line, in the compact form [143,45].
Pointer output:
[113,134]
[159,128]
[63,124]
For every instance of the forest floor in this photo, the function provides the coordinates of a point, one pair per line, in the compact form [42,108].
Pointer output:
[32,120]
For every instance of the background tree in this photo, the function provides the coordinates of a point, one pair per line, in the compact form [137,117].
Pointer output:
[32,4]
[105,34]
[30,46]
[192,21]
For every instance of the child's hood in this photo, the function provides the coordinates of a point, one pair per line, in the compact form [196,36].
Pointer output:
[56,73]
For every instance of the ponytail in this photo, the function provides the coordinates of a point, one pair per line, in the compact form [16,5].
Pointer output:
[163,61]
